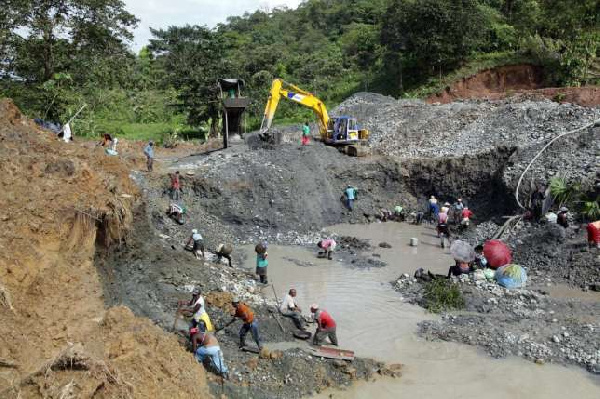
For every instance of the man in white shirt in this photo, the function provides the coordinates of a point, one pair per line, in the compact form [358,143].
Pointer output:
[289,308]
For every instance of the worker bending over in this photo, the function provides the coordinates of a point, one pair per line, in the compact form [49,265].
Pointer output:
[326,326]
[195,308]
[205,346]
[224,251]
[328,246]
[243,311]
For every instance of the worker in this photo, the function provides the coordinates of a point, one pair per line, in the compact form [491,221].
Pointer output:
[480,259]
[243,311]
[175,186]
[326,326]
[224,251]
[196,242]
[442,221]
[434,209]
[205,345]
[328,246]
[593,234]
[562,218]
[149,152]
[384,214]
[305,134]
[399,213]
[443,233]
[176,212]
[351,194]
[537,203]
[458,269]
[195,308]
[106,140]
[446,208]
[457,209]
[289,308]
[262,263]
[466,215]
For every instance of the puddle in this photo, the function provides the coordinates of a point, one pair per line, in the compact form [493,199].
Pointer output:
[374,323]
[563,291]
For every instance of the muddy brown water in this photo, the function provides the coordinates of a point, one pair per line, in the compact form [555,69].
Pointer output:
[373,321]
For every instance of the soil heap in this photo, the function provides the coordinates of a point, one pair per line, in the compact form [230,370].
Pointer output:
[61,201]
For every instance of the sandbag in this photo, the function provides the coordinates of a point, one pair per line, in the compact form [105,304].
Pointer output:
[511,276]
[497,253]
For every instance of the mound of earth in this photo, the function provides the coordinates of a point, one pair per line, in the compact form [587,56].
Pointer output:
[61,201]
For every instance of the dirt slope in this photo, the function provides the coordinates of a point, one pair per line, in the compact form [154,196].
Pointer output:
[515,80]
[56,339]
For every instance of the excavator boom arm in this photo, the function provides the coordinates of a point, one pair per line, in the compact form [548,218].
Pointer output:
[293,93]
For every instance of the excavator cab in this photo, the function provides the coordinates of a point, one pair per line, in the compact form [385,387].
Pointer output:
[345,130]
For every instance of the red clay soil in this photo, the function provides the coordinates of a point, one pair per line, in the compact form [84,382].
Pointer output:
[521,81]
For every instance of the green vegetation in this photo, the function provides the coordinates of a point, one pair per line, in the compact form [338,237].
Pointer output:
[442,295]
[59,54]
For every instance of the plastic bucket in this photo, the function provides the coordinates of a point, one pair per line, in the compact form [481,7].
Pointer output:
[414,242]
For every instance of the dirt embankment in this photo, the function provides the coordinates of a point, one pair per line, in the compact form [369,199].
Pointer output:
[527,81]
[61,201]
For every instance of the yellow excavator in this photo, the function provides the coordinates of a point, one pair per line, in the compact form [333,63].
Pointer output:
[341,131]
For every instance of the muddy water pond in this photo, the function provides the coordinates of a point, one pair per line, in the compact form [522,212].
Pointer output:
[373,321]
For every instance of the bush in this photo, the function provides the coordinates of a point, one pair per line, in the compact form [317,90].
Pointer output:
[442,295]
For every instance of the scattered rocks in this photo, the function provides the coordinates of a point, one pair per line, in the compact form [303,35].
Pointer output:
[384,245]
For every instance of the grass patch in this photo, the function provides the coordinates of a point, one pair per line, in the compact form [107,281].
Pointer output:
[442,295]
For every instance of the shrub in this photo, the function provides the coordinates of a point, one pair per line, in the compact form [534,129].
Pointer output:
[442,295]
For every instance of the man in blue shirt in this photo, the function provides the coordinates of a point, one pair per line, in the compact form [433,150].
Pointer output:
[350,193]
[149,152]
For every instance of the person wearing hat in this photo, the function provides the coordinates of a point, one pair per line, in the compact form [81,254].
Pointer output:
[326,327]
[458,207]
[206,345]
[243,311]
[350,193]
[562,219]
[149,153]
[195,308]
[197,243]
[466,215]
[224,251]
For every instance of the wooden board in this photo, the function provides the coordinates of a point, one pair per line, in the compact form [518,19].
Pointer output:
[332,353]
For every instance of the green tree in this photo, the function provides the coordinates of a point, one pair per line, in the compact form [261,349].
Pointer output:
[193,58]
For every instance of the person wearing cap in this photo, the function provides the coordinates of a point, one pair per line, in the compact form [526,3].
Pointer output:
[289,308]
[351,194]
[458,207]
[262,262]
[197,243]
[562,219]
[224,251]
[149,153]
[195,308]
[206,345]
[328,246]
[326,327]
[243,312]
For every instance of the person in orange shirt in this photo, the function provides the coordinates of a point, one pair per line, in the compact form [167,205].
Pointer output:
[243,311]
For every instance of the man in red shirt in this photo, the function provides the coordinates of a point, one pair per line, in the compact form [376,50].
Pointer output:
[325,326]
[175,186]
[466,218]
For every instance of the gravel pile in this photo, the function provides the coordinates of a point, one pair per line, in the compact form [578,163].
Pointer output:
[414,129]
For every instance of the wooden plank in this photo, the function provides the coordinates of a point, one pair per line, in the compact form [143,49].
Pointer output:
[333,353]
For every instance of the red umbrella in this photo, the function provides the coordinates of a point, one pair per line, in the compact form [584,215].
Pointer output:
[497,253]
